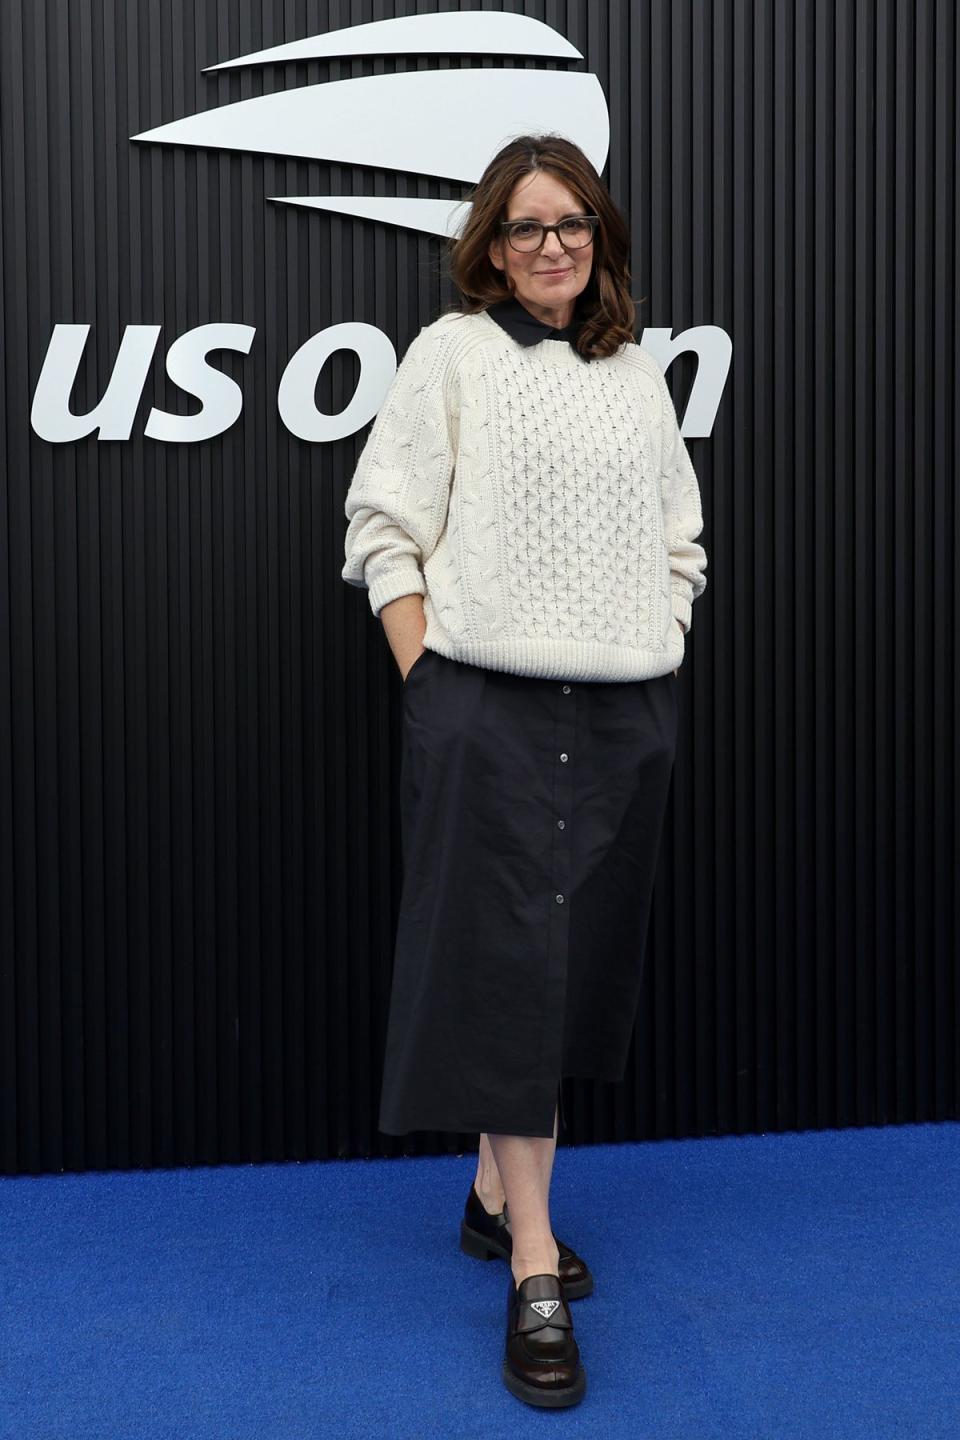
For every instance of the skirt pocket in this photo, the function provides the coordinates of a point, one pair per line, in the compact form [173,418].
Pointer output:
[416,665]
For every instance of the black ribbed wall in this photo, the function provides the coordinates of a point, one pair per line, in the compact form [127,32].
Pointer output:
[199,722]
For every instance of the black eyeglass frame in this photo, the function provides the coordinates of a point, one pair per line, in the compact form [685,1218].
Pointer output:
[508,226]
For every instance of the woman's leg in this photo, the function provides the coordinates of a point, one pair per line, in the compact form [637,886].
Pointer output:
[525,1165]
[488,1184]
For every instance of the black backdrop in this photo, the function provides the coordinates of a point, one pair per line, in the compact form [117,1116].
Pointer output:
[199,722]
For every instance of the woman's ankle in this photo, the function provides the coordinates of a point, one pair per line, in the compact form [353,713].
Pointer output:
[535,1262]
[489,1187]
[488,1184]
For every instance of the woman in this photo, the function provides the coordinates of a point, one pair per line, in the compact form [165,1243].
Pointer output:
[524,516]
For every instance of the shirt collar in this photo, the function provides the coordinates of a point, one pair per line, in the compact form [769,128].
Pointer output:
[520,323]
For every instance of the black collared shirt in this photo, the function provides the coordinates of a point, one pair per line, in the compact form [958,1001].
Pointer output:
[523,325]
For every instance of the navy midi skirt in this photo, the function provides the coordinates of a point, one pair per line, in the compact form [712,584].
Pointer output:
[531,814]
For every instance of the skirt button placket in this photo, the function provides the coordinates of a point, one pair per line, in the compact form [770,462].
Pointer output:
[559,923]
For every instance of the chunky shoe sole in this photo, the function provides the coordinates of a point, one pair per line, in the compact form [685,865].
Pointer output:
[482,1247]
[546,1399]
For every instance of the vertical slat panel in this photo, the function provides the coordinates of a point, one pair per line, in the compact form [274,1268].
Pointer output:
[9,1012]
[199,723]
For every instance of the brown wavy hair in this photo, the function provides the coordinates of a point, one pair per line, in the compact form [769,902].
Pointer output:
[605,307]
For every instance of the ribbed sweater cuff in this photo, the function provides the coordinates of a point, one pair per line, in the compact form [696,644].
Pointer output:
[404,578]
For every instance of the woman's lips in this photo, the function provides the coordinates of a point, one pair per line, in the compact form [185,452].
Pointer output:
[567,271]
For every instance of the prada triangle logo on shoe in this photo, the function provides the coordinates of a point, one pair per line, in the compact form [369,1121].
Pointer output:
[544,1307]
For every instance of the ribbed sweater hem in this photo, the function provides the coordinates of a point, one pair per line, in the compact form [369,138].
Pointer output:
[559,659]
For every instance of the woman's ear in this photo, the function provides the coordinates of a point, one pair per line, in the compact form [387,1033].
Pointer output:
[495,253]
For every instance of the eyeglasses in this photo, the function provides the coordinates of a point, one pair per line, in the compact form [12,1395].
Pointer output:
[573,233]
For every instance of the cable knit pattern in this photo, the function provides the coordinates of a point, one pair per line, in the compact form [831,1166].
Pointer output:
[545,507]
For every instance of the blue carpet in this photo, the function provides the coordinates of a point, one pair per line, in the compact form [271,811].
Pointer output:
[759,1286]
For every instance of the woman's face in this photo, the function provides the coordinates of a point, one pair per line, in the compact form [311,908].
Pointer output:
[541,196]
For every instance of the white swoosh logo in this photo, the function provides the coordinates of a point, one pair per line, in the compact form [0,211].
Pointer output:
[444,123]
[465,32]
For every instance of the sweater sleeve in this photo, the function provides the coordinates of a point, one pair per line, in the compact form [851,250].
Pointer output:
[397,501]
[682,516]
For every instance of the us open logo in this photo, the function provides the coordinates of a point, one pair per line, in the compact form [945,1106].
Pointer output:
[381,121]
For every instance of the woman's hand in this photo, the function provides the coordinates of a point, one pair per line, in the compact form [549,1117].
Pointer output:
[405,625]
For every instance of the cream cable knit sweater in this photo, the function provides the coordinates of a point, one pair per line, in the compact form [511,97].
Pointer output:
[545,507]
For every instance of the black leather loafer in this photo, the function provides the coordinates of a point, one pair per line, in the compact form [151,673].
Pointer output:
[541,1362]
[486,1237]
